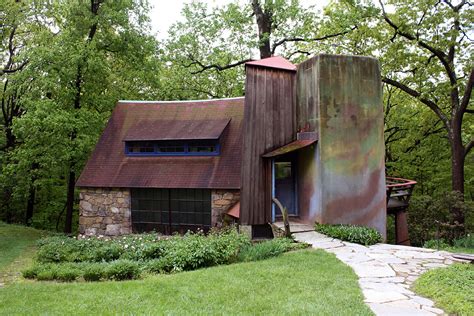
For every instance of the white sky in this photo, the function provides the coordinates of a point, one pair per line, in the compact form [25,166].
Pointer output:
[165,12]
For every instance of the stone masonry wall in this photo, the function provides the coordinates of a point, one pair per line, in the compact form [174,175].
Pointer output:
[222,200]
[104,211]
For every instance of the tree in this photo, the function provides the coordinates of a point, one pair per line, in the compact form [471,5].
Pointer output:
[208,49]
[93,54]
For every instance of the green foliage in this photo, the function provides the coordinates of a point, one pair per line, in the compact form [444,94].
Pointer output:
[429,217]
[356,234]
[465,242]
[451,288]
[48,272]
[123,270]
[461,245]
[98,258]
[193,251]
[79,64]
[94,272]
[269,248]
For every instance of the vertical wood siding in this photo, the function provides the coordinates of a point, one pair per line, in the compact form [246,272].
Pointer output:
[269,122]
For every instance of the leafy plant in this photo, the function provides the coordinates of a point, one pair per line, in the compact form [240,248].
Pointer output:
[94,272]
[267,249]
[356,234]
[123,270]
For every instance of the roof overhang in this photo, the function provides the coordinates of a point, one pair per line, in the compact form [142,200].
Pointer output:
[293,146]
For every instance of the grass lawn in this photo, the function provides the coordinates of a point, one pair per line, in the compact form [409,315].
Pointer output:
[302,282]
[452,288]
[17,246]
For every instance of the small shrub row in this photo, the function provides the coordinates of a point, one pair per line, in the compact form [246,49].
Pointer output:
[124,258]
[67,272]
[356,234]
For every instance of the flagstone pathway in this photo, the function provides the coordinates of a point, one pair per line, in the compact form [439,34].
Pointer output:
[385,272]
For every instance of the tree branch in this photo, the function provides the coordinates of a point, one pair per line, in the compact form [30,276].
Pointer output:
[314,39]
[438,53]
[467,93]
[433,106]
[468,148]
[215,66]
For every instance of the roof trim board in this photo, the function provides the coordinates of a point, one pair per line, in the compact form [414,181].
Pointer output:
[293,146]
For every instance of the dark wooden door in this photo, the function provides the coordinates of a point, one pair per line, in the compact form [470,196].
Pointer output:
[285,186]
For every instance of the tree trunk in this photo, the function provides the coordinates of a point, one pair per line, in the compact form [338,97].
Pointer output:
[457,169]
[264,23]
[30,205]
[70,202]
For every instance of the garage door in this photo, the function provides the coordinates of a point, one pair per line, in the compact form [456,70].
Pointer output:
[171,210]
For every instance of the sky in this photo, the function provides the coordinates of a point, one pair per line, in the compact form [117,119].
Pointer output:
[165,12]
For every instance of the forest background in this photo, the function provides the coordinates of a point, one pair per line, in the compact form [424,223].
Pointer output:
[64,65]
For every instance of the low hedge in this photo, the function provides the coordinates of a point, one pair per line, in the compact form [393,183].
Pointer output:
[356,234]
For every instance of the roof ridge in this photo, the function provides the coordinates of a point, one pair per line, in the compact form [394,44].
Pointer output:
[179,101]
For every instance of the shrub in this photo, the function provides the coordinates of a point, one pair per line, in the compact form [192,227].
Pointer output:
[356,234]
[426,212]
[67,273]
[32,273]
[123,270]
[465,242]
[46,275]
[157,266]
[94,272]
[268,249]
[435,244]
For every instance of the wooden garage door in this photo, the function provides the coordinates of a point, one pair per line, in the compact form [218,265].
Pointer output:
[171,210]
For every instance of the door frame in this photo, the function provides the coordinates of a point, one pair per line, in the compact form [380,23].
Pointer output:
[294,172]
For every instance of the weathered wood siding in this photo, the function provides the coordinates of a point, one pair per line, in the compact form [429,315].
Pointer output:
[269,122]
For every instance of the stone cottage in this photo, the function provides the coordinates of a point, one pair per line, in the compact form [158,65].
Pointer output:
[310,135]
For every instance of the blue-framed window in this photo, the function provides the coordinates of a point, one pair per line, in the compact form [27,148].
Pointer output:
[173,148]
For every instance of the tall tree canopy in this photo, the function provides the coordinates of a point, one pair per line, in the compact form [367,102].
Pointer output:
[91,54]
[211,45]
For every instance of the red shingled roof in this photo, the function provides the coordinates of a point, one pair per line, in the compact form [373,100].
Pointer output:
[108,165]
[273,62]
[173,129]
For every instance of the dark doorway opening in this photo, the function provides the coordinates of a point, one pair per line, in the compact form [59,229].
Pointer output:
[284,180]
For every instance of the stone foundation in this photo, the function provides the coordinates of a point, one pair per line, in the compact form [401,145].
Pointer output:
[222,200]
[104,211]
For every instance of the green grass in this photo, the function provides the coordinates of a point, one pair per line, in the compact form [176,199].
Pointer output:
[17,247]
[452,288]
[301,282]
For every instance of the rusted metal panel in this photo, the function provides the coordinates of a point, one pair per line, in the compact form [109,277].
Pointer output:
[288,148]
[234,211]
[349,158]
[173,129]
[269,123]
[108,165]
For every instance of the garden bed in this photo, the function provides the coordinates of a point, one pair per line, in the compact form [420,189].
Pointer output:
[129,257]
